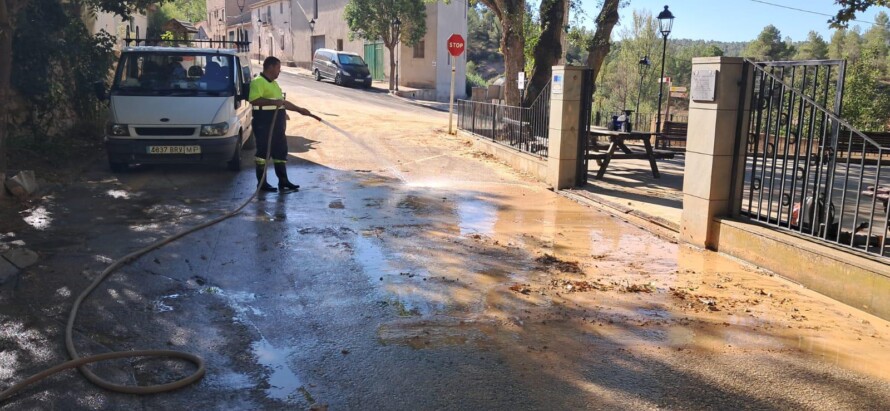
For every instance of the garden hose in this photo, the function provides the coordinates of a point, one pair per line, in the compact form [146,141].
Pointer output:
[80,362]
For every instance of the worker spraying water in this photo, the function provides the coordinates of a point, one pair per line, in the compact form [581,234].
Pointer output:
[268,123]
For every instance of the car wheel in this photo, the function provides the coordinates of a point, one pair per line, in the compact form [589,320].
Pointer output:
[250,144]
[338,80]
[235,163]
[117,167]
[317,75]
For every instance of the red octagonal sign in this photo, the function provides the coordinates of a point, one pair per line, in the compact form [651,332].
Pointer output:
[456,45]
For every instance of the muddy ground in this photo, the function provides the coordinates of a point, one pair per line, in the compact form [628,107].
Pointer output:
[410,272]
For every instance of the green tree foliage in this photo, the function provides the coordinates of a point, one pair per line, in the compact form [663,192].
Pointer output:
[188,10]
[768,46]
[67,69]
[875,40]
[578,41]
[619,81]
[867,94]
[852,44]
[815,48]
[836,46]
[372,20]
[531,27]
[71,73]
[483,43]
[849,8]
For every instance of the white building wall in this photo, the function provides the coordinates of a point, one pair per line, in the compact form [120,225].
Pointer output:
[432,71]
[452,18]
[115,26]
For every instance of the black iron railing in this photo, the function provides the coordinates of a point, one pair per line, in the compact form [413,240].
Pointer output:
[806,169]
[523,128]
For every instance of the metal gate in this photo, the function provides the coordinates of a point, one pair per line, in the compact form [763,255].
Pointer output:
[374,59]
[584,117]
[805,169]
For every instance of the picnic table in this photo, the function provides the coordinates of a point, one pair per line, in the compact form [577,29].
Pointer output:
[617,139]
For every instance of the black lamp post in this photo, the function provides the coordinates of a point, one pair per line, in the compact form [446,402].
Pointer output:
[396,28]
[665,22]
[644,64]
[311,43]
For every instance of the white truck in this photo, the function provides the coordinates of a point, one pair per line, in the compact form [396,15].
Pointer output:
[179,105]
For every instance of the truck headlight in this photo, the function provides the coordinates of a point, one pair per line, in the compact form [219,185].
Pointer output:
[346,73]
[218,129]
[115,129]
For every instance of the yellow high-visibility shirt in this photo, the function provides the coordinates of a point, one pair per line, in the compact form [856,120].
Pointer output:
[261,87]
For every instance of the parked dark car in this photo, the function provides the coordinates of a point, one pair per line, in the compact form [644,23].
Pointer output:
[342,67]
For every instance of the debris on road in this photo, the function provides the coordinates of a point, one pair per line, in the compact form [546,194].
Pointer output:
[561,265]
[638,288]
[579,286]
[521,288]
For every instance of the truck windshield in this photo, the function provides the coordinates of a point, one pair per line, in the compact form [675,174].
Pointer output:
[174,74]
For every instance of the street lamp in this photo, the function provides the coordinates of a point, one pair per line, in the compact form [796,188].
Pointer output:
[644,64]
[396,28]
[259,40]
[665,22]
[312,25]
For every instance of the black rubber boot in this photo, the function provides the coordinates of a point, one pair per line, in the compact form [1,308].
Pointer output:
[283,183]
[259,178]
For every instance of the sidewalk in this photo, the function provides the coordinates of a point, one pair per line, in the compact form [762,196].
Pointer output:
[629,188]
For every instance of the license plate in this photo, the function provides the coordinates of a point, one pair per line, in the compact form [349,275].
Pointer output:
[174,149]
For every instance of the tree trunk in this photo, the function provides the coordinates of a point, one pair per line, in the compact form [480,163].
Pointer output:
[392,67]
[599,46]
[8,9]
[513,48]
[549,49]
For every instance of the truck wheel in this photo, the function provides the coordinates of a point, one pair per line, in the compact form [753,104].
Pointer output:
[338,80]
[317,75]
[235,163]
[250,144]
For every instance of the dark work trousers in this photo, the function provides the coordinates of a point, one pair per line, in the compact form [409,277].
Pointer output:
[262,121]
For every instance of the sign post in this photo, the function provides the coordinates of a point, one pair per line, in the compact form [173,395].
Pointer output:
[520,82]
[456,47]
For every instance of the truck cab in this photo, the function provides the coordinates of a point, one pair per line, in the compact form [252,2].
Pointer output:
[179,105]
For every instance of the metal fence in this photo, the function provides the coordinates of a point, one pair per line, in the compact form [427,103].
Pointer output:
[523,128]
[807,170]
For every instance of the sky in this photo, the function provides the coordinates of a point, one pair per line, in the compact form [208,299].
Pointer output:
[737,20]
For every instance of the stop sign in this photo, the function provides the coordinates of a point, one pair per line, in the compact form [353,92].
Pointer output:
[456,45]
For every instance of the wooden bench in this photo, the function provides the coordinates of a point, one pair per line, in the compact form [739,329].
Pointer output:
[855,149]
[672,132]
[515,129]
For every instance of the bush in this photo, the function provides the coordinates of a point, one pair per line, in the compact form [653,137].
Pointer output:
[473,78]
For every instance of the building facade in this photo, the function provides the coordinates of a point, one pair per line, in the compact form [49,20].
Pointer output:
[112,23]
[293,29]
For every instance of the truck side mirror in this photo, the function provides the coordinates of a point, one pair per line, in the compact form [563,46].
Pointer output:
[99,89]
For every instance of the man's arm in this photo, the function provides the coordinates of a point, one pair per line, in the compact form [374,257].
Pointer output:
[293,107]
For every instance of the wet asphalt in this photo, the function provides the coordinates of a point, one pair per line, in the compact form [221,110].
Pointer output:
[384,284]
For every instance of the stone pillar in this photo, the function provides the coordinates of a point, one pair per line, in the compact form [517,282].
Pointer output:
[565,108]
[710,147]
